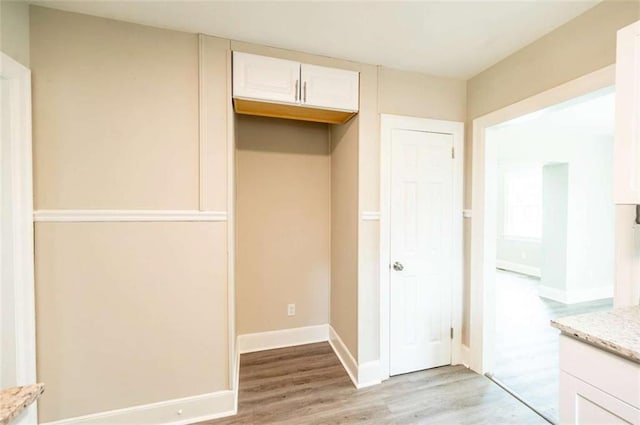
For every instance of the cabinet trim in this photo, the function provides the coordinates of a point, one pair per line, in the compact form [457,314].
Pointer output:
[295,112]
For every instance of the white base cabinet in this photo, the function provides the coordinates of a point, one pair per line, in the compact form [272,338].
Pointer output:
[597,387]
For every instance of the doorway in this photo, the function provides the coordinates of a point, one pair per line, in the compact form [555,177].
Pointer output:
[17,318]
[421,244]
[535,195]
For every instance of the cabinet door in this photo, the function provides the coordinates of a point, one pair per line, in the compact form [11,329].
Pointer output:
[584,404]
[330,88]
[264,78]
[627,144]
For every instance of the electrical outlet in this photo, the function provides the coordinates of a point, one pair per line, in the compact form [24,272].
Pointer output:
[291,310]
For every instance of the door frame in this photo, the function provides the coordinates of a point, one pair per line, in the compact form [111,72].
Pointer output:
[482,302]
[389,122]
[19,78]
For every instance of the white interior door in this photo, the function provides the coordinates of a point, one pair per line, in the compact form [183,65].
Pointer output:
[420,250]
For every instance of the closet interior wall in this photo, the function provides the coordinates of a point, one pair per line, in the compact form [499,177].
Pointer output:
[283,251]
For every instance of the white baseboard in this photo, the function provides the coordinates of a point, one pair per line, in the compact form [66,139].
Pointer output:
[249,343]
[368,374]
[575,296]
[181,411]
[518,268]
[465,355]
[236,379]
[345,357]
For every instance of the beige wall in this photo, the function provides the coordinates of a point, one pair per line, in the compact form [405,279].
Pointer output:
[127,313]
[344,233]
[421,95]
[108,133]
[14,30]
[583,45]
[284,223]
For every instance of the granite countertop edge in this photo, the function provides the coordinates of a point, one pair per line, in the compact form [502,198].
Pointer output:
[616,331]
[14,401]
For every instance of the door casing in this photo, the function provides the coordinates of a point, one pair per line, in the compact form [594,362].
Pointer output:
[18,79]
[456,129]
[482,260]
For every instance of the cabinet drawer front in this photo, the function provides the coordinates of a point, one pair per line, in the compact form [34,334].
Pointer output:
[581,403]
[264,78]
[608,372]
[330,88]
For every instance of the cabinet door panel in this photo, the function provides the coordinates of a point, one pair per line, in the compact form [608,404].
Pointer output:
[627,144]
[330,88]
[584,404]
[264,78]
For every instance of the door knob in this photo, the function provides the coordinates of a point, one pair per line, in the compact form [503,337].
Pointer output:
[397,266]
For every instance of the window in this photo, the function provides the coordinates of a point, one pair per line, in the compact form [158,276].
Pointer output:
[523,204]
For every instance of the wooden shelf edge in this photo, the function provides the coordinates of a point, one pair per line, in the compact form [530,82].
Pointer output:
[291,112]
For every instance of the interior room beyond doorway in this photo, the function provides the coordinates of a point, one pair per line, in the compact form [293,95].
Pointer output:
[555,234]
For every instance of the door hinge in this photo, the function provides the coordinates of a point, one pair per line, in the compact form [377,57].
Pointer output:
[451,333]
[453,153]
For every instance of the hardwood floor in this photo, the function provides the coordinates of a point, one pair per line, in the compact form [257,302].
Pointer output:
[526,345]
[308,385]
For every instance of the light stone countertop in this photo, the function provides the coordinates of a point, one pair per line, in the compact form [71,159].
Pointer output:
[617,330]
[13,401]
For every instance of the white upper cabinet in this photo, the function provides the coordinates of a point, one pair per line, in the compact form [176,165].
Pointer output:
[265,78]
[332,88]
[281,88]
[627,144]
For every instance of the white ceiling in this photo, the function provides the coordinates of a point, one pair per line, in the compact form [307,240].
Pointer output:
[446,38]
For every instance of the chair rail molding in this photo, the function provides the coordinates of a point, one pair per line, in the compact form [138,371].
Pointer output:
[77,216]
[370,215]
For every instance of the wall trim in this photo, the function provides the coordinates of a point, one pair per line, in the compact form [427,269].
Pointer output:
[518,268]
[203,163]
[235,379]
[20,239]
[179,411]
[270,340]
[370,215]
[368,374]
[464,356]
[234,353]
[127,215]
[343,354]
[575,296]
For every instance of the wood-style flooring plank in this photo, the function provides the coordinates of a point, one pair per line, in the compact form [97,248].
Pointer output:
[527,358]
[308,385]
